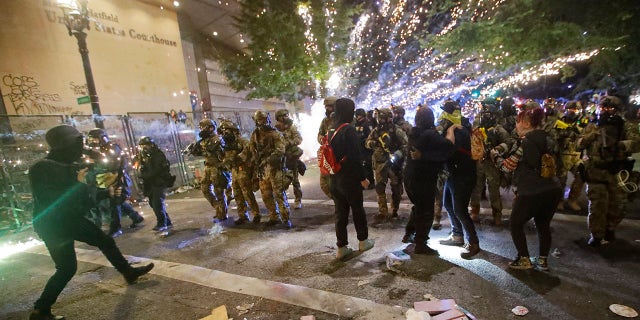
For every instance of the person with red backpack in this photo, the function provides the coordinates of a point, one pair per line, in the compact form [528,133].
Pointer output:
[349,180]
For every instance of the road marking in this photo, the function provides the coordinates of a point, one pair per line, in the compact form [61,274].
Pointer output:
[329,302]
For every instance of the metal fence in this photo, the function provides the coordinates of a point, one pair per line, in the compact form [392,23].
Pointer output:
[22,143]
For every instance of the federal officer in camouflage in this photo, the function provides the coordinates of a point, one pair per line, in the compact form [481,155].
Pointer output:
[216,176]
[495,137]
[325,125]
[242,170]
[566,132]
[398,119]
[268,146]
[608,143]
[389,143]
[293,152]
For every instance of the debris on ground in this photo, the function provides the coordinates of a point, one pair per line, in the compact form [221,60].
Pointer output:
[244,308]
[556,253]
[445,309]
[412,314]
[219,313]
[363,282]
[623,310]
[396,258]
[520,311]
[429,297]
[307,318]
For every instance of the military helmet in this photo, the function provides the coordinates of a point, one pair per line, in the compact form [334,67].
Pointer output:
[281,113]
[145,141]
[227,125]
[571,105]
[507,102]
[611,102]
[207,125]
[260,115]
[398,110]
[97,133]
[330,101]
[360,112]
[384,113]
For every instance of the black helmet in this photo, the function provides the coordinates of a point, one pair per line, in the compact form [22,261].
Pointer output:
[97,137]
[611,102]
[146,141]
[449,106]
[361,112]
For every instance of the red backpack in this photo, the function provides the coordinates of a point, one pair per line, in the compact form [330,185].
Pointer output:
[326,157]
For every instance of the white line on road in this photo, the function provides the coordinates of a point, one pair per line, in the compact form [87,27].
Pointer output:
[329,302]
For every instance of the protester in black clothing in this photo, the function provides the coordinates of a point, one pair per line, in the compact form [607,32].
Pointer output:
[537,197]
[61,201]
[459,186]
[428,150]
[347,184]
[154,171]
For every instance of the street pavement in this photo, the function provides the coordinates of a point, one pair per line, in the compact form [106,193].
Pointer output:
[261,272]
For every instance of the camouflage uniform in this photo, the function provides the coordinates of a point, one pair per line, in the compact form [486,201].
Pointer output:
[329,105]
[496,138]
[268,146]
[216,177]
[607,144]
[242,171]
[398,119]
[387,140]
[363,129]
[292,152]
[566,132]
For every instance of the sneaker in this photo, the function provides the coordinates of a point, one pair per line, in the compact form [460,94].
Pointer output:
[161,228]
[297,205]
[38,315]
[470,250]
[134,273]
[288,224]
[521,263]
[408,238]
[343,252]
[541,263]
[136,222]
[256,219]
[423,248]
[365,245]
[116,233]
[452,240]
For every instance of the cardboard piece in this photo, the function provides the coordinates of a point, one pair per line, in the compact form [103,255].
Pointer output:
[307,318]
[448,315]
[435,307]
[219,313]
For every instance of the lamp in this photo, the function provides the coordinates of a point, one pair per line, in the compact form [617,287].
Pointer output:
[76,19]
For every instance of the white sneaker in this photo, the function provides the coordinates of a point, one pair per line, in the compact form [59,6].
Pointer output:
[343,252]
[365,245]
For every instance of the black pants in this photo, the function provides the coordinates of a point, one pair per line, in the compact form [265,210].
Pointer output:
[156,201]
[457,193]
[422,193]
[541,207]
[60,243]
[118,207]
[347,195]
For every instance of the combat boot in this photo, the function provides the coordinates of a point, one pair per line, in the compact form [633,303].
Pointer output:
[475,213]
[423,248]
[297,204]
[134,273]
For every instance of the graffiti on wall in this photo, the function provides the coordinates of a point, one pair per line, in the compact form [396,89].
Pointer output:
[22,93]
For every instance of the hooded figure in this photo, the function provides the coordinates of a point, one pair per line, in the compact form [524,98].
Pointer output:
[347,184]
[61,201]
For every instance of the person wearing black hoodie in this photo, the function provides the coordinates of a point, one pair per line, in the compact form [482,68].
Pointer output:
[428,151]
[537,197]
[61,201]
[347,184]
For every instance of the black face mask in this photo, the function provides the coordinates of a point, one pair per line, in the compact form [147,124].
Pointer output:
[205,134]
[229,137]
